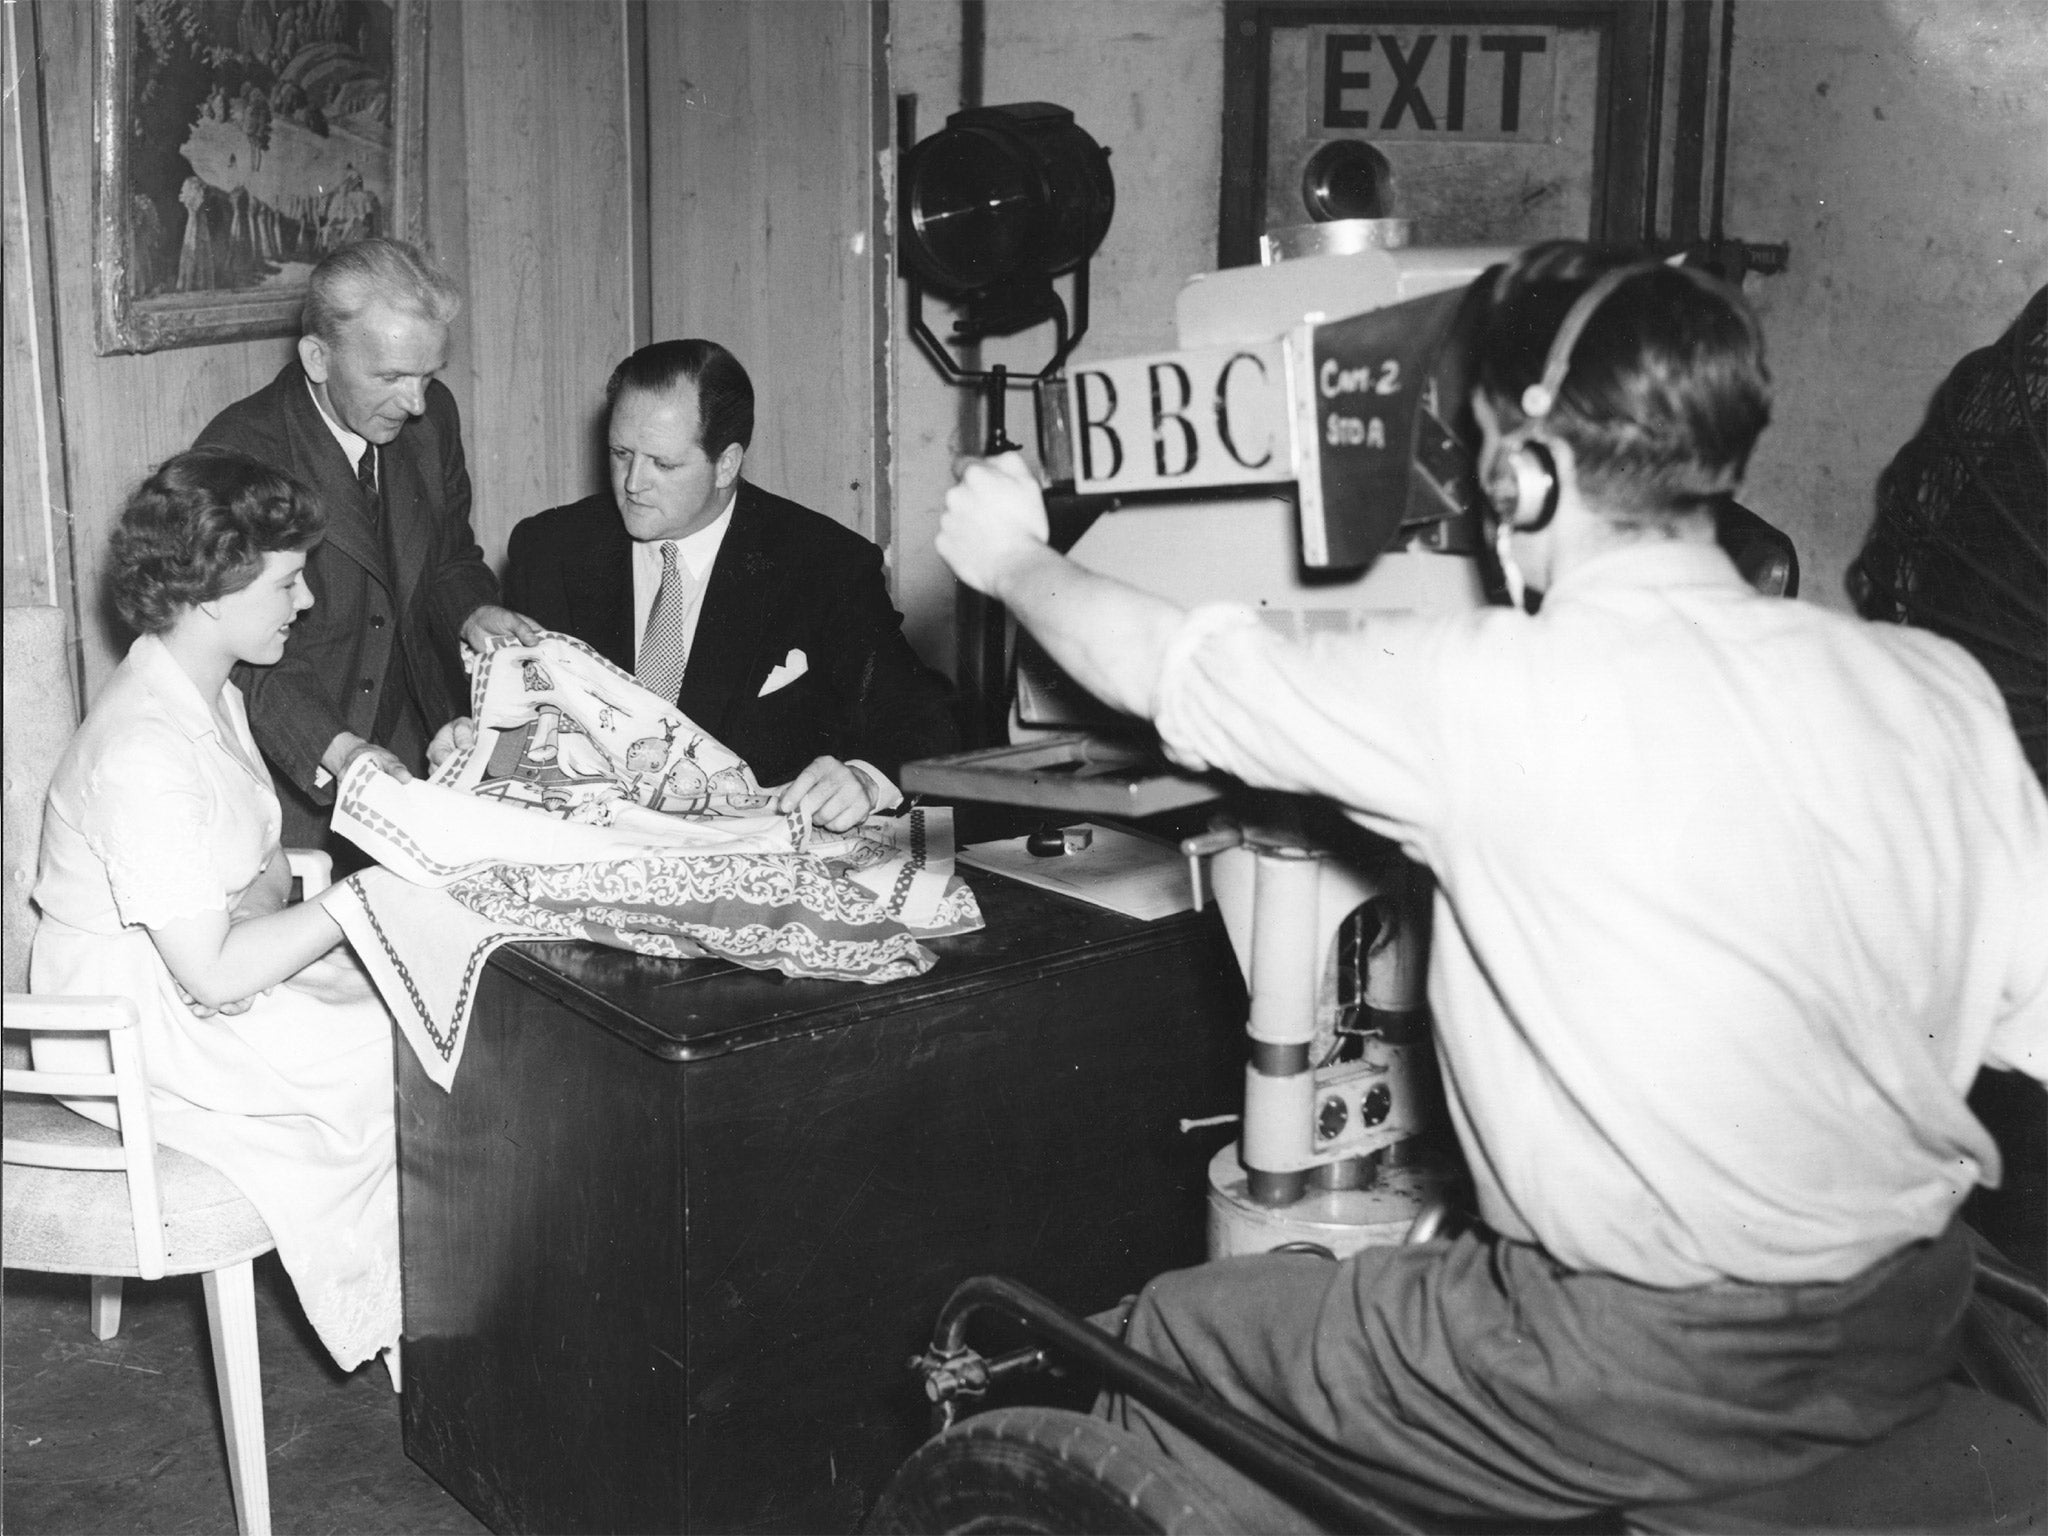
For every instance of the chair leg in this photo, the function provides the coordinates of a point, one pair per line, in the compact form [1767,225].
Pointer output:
[231,1319]
[106,1306]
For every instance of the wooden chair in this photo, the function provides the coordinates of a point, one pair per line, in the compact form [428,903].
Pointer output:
[81,1199]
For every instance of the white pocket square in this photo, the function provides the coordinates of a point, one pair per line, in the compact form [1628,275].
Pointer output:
[794,666]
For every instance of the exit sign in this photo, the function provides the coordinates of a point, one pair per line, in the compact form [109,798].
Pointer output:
[1434,83]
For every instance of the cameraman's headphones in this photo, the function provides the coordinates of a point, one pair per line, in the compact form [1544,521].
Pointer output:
[1522,480]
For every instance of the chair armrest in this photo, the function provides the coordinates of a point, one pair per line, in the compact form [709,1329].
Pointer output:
[313,870]
[78,1066]
[106,1068]
[68,1013]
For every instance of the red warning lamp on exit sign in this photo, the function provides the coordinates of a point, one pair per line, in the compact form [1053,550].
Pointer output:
[1442,83]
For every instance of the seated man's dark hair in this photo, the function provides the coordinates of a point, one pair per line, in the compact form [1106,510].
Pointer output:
[198,529]
[725,395]
[1667,391]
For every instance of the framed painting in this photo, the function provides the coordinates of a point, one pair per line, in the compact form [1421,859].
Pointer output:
[239,142]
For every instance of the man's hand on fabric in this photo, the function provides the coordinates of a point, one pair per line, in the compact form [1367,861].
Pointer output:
[831,795]
[348,746]
[490,626]
[995,516]
[458,735]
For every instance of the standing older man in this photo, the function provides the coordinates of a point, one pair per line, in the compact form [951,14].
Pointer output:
[769,624]
[359,417]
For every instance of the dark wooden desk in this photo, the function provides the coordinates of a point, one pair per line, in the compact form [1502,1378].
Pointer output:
[672,1239]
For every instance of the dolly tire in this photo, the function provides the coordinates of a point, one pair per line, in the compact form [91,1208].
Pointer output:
[1042,1472]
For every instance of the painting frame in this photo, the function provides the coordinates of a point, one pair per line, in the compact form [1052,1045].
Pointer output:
[138,309]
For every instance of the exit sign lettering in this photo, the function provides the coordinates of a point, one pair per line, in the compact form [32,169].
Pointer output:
[1442,83]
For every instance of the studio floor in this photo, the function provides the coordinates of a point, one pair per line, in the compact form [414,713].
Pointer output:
[104,1439]
[121,1437]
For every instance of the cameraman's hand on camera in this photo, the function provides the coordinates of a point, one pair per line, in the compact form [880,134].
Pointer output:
[994,522]
[1109,637]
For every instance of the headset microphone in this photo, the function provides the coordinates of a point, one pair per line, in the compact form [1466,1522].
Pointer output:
[1522,483]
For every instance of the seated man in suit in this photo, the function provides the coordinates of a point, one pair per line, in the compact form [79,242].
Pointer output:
[769,624]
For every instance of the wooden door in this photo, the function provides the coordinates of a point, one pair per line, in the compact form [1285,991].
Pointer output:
[763,229]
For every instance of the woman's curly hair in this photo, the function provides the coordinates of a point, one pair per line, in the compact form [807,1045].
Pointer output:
[198,529]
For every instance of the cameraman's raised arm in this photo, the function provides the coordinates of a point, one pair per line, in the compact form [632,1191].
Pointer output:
[1110,638]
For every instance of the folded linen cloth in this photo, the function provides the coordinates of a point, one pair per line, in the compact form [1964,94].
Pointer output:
[589,808]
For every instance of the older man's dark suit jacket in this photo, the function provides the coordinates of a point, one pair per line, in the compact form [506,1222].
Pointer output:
[786,579]
[379,621]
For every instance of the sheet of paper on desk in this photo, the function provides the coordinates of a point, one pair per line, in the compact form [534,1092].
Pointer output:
[1137,876]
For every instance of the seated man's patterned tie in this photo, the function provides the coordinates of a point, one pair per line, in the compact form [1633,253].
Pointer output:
[662,655]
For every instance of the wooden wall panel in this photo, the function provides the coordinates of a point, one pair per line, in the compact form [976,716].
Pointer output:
[446,214]
[761,171]
[37,554]
[757,127]
[546,112]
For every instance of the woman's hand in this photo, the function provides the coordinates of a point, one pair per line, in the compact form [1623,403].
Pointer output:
[201,1011]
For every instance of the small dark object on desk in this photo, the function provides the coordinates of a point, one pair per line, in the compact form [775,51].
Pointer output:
[1051,842]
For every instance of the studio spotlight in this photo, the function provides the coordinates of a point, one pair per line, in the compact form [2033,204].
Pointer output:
[995,205]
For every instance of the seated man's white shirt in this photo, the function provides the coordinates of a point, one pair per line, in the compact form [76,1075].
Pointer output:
[1734,896]
[697,553]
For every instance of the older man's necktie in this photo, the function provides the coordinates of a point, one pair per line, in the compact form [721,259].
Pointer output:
[366,477]
[662,653]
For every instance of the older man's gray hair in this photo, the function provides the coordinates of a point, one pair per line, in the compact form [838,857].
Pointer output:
[366,272]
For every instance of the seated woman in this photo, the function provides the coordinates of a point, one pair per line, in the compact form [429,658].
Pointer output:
[268,1050]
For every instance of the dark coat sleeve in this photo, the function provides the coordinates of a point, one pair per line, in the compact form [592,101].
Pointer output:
[894,708]
[791,579]
[569,570]
[459,579]
[535,577]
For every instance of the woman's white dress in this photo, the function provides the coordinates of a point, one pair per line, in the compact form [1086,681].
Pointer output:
[152,816]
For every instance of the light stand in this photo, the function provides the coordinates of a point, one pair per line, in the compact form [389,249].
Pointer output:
[997,204]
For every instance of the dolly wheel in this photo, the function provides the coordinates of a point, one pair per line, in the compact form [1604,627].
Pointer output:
[1044,1471]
